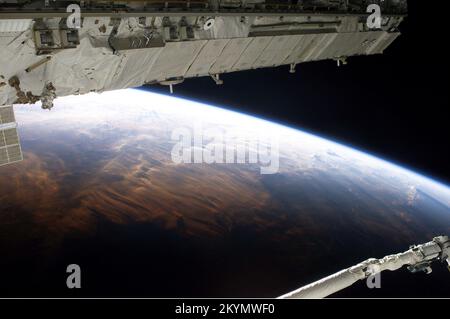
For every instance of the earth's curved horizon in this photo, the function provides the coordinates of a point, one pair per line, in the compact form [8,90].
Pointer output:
[98,187]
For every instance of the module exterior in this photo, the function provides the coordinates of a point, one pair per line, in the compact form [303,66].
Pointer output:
[43,57]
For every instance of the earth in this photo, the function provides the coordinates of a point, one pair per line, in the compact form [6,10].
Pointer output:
[99,187]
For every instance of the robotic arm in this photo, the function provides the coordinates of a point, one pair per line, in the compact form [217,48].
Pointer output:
[418,258]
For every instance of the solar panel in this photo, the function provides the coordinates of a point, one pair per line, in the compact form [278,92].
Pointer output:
[10,150]
[7,115]
[3,156]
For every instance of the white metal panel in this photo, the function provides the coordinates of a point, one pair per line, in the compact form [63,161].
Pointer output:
[206,58]
[6,38]
[320,44]
[348,44]
[384,41]
[134,68]
[91,68]
[14,25]
[349,24]
[297,53]
[230,55]
[308,47]
[174,60]
[15,57]
[279,48]
[230,27]
[251,53]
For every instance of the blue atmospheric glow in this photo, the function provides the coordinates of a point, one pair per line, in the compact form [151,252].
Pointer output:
[313,134]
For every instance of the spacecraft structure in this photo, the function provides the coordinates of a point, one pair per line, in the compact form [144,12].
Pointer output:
[10,150]
[52,48]
[55,48]
[417,258]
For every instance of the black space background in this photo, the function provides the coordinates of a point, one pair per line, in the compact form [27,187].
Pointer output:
[395,105]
